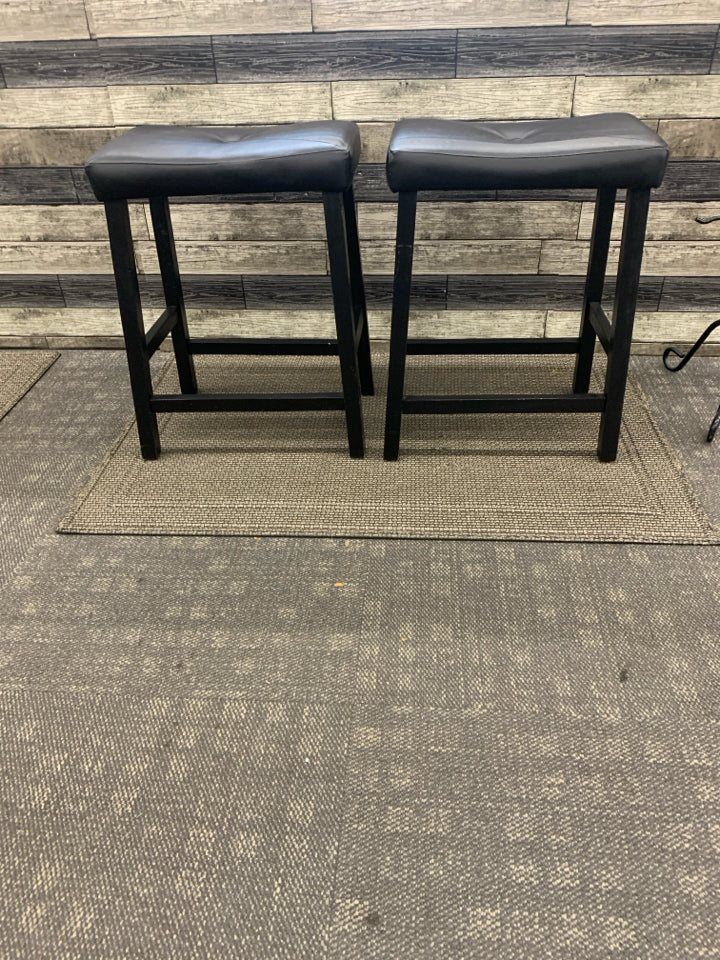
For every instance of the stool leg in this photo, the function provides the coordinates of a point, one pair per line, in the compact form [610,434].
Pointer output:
[404,245]
[336,226]
[167,258]
[358,294]
[626,290]
[597,266]
[126,281]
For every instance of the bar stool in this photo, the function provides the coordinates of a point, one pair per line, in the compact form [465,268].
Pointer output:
[605,152]
[158,162]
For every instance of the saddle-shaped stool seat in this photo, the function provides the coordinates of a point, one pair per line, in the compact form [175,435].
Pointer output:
[605,153]
[155,163]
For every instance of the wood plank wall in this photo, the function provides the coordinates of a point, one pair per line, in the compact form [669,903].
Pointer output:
[74,73]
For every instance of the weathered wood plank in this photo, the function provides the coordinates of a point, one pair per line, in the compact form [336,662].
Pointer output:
[51,147]
[266,292]
[65,223]
[556,292]
[468,221]
[648,328]
[398,14]
[691,138]
[667,221]
[43,19]
[308,257]
[457,256]
[375,139]
[493,98]
[21,185]
[17,290]
[68,257]
[650,11]
[657,96]
[334,56]
[241,103]
[58,63]
[547,51]
[33,107]
[691,293]
[690,180]
[157,60]
[267,221]
[660,259]
[41,321]
[198,290]
[153,18]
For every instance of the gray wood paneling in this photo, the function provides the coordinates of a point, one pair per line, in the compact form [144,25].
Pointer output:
[667,221]
[37,185]
[691,293]
[267,292]
[556,292]
[548,51]
[58,63]
[37,290]
[157,60]
[333,56]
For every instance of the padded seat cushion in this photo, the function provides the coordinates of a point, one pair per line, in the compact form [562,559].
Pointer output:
[166,161]
[606,149]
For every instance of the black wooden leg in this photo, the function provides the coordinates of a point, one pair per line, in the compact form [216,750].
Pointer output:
[628,281]
[335,223]
[172,287]
[597,266]
[126,281]
[405,241]
[358,294]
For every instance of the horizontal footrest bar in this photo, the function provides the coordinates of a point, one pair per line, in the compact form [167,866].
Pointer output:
[506,403]
[270,346]
[602,326]
[213,402]
[493,345]
[160,329]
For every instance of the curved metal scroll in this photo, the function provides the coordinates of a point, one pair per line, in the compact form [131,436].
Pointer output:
[684,358]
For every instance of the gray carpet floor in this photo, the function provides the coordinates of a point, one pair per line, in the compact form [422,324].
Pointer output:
[210,749]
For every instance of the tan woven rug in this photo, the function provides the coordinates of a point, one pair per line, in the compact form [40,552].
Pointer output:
[501,476]
[19,370]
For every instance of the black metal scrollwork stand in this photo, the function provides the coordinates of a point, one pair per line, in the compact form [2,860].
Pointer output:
[684,358]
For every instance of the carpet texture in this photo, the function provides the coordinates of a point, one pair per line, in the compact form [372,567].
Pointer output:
[19,370]
[500,477]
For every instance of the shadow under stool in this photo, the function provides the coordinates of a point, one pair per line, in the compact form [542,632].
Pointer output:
[157,162]
[605,153]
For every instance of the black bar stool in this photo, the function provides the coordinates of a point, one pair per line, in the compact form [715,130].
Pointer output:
[605,152]
[157,162]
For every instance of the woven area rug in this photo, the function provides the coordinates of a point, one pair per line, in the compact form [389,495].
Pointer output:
[19,370]
[497,477]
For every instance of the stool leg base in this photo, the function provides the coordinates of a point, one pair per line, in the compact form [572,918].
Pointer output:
[340,275]
[594,283]
[172,288]
[358,295]
[138,357]
[626,290]
[404,248]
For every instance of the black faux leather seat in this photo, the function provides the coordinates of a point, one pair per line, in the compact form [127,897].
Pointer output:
[191,161]
[159,162]
[606,149]
[604,152]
